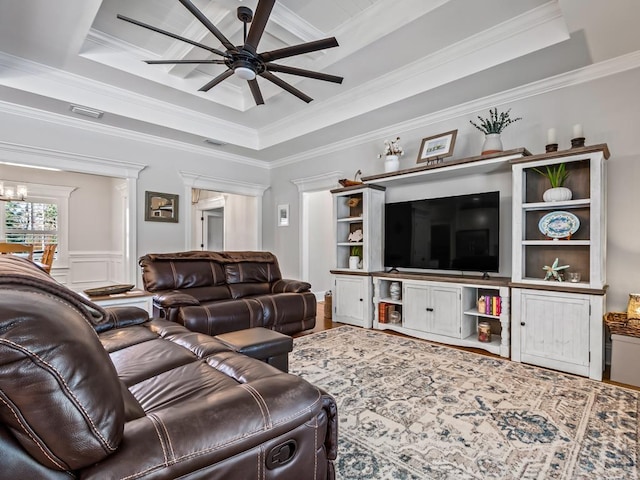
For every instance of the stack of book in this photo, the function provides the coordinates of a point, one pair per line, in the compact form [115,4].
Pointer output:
[492,305]
[384,311]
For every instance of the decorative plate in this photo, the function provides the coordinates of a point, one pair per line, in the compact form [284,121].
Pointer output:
[108,290]
[559,224]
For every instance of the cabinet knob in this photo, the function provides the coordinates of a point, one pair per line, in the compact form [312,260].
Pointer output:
[429,309]
[522,323]
[361,300]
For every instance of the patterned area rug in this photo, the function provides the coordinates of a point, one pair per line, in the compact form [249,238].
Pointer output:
[409,409]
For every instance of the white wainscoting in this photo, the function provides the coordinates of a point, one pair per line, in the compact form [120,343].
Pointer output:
[91,269]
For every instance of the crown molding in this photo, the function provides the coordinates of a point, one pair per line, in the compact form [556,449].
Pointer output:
[607,68]
[64,120]
[322,181]
[72,162]
[43,191]
[217,184]
[294,24]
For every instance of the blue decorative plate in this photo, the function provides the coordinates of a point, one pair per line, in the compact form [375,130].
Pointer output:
[559,224]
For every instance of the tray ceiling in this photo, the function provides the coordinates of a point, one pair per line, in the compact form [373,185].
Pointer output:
[399,59]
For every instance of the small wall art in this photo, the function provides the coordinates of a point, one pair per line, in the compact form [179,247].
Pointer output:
[283,215]
[161,207]
[434,149]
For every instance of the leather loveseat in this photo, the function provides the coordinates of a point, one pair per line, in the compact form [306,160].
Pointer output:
[219,292]
[107,394]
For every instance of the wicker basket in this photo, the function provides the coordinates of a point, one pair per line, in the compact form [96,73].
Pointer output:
[619,324]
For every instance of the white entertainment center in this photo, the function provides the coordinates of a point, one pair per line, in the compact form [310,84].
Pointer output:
[554,324]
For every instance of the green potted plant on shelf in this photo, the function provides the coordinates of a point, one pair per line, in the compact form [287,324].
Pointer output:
[355,257]
[492,127]
[557,176]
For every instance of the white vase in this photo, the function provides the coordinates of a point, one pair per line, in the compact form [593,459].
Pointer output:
[391,163]
[557,194]
[354,262]
[492,144]
[394,290]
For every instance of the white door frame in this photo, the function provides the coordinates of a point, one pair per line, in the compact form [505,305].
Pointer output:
[315,183]
[197,180]
[201,207]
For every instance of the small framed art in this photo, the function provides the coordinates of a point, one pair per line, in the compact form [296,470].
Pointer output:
[161,207]
[283,215]
[437,147]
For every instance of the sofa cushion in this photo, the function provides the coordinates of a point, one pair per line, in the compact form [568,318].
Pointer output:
[178,273]
[241,290]
[59,393]
[252,272]
[223,316]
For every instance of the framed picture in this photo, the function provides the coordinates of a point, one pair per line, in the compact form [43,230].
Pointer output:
[161,207]
[283,215]
[434,149]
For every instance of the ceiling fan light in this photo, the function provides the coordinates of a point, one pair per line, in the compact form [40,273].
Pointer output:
[245,73]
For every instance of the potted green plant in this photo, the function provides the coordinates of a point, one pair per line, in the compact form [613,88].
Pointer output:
[355,257]
[492,127]
[557,176]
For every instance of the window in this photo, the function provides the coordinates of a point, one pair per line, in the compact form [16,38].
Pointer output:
[35,223]
[41,219]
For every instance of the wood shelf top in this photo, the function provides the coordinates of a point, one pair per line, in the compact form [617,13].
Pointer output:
[350,271]
[481,163]
[357,187]
[566,287]
[602,147]
[439,277]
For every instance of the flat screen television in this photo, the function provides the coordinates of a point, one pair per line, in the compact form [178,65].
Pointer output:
[450,233]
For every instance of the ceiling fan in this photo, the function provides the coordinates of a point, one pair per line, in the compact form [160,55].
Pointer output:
[244,61]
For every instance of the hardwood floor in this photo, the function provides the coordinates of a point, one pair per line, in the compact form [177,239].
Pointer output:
[323,323]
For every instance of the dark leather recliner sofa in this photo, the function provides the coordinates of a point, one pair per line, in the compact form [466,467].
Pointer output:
[107,394]
[219,292]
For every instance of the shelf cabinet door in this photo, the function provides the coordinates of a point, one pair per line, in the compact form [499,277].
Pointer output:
[432,309]
[554,331]
[446,311]
[415,304]
[351,300]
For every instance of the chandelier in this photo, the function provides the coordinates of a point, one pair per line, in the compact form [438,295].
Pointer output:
[11,193]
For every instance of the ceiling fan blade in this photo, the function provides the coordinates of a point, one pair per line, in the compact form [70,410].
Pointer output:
[299,49]
[169,34]
[285,86]
[263,10]
[207,23]
[177,62]
[272,67]
[216,81]
[255,91]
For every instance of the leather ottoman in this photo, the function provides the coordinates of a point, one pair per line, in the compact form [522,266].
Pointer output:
[261,343]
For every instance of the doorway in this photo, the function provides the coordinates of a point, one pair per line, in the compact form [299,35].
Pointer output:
[214,229]
[224,221]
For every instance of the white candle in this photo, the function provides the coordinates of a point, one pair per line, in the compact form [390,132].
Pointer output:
[577,131]
[551,136]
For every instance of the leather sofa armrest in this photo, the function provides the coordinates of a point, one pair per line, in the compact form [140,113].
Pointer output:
[175,300]
[198,435]
[290,286]
[124,316]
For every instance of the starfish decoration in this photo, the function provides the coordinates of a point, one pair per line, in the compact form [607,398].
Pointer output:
[553,271]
